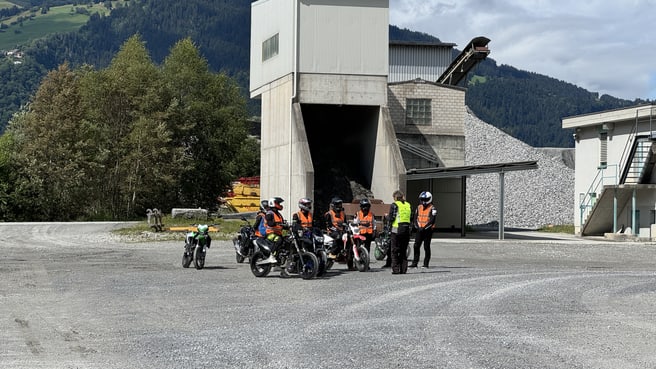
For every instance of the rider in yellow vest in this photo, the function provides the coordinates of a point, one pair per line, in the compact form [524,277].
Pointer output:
[424,222]
[399,216]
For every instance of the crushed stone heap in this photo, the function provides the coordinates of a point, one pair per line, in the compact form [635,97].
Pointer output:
[533,198]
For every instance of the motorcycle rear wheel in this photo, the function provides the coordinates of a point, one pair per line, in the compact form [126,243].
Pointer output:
[186,257]
[199,257]
[261,270]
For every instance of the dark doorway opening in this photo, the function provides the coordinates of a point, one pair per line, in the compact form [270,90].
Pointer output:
[342,140]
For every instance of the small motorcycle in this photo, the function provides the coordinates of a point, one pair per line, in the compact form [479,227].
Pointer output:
[384,242]
[243,242]
[291,257]
[196,244]
[355,255]
[313,241]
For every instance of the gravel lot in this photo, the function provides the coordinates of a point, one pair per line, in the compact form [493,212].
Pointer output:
[73,296]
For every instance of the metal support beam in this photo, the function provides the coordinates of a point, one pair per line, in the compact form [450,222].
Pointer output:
[501,195]
[463,205]
[633,213]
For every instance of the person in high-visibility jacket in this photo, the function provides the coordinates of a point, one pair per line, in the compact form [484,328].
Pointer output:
[335,228]
[424,223]
[366,223]
[275,223]
[302,219]
[399,217]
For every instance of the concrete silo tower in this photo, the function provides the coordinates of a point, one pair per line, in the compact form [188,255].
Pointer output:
[320,69]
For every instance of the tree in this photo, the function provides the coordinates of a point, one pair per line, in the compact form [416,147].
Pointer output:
[207,115]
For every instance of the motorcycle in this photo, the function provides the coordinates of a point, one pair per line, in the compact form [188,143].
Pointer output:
[313,241]
[291,257]
[243,242]
[196,244]
[384,242]
[354,254]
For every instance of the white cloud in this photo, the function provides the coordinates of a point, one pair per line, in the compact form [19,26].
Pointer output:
[602,46]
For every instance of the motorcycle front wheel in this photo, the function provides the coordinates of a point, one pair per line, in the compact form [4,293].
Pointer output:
[199,257]
[240,258]
[261,270]
[363,263]
[310,266]
[322,258]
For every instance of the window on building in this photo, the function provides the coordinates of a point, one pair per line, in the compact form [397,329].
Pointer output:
[418,112]
[603,150]
[270,47]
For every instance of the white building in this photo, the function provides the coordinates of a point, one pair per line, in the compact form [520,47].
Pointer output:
[615,184]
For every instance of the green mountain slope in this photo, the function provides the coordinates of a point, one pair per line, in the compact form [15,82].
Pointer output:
[527,105]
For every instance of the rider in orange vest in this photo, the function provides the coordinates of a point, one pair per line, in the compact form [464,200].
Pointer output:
[335,219]
[424,222]
[365,219]
[275,223]
[303,218]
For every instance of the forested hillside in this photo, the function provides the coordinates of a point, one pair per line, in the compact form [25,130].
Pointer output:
[527,105]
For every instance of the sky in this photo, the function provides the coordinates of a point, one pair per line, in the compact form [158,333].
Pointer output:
[603,46]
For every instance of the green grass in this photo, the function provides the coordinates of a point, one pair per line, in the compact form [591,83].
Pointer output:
[6,4]
[58,20]
[228,228]
[564,228]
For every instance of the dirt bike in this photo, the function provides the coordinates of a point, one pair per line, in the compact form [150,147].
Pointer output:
[243,242]
[354,254]
[291,257]
[196,244]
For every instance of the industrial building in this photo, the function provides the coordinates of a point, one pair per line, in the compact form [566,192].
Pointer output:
[342,107]
[615,180]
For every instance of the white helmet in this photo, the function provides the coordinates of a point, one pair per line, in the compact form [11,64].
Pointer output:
[425,198]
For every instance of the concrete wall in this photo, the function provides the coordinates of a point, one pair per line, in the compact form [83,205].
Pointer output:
[270,17]
[340,89]
[389,170]
[344,37]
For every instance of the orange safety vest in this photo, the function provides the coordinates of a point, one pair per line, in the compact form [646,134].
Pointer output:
[423,215]
[305,221]
[337,220]
[366,222]
[277,228]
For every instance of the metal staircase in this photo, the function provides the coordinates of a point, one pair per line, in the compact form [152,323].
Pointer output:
[616,184]
[641,155]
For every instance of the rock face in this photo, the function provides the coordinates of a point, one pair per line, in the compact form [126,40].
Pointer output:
[189,213]
[533,198]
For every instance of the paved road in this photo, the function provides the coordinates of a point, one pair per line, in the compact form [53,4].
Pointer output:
[71,296]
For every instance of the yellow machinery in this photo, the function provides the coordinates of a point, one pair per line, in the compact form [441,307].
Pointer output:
[245,195]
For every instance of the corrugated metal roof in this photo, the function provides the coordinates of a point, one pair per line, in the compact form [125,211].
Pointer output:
[446,172]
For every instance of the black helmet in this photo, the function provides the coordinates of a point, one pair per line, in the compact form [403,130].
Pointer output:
[276,202]
[305,204]
[264,205]
[336,204]
[365,204]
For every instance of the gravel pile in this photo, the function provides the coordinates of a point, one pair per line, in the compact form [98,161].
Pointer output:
[533,198]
